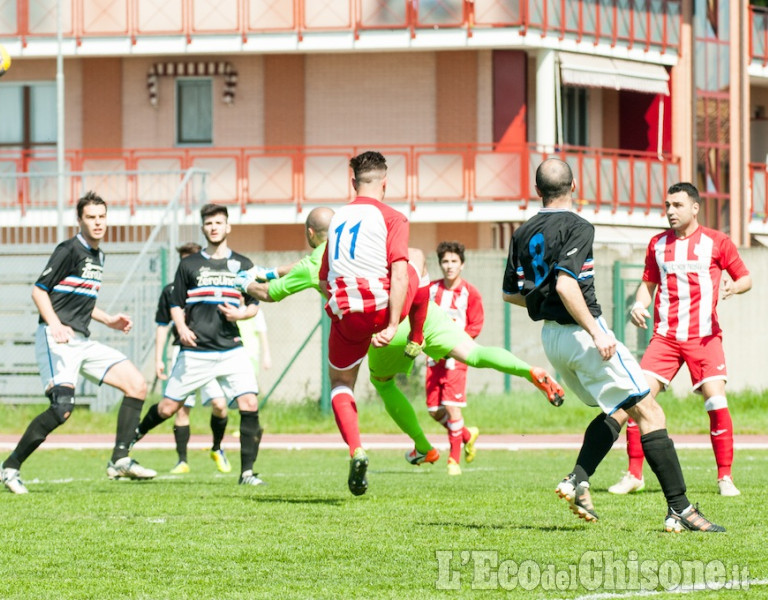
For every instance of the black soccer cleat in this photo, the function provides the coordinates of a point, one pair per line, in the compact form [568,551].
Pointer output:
[690,519]
[358,466]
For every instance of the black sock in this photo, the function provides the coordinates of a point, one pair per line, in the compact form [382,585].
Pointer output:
[218,429]
[35,435]
[181,435]
[662,458]
[151,420]
[599,437]
[128,416]
[250,438]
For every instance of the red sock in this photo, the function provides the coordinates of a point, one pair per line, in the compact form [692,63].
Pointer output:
[721,435]
[345,411]
[455,429]
[418,314]
[465,435]
[634,449]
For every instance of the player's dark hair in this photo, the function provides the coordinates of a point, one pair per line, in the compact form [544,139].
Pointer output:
[89,198]
[368,165]
[453,246]
[210,210]
[188,248]
[554,179]
[687,188]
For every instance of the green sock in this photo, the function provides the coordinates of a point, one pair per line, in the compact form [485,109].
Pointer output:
[493,357]
[402,413]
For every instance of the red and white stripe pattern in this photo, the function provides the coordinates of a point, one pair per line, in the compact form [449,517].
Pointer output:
[358,256]
[463,304]
[78,285]
[688,272]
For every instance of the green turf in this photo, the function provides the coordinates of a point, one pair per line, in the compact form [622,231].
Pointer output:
[200,536]
[517,413]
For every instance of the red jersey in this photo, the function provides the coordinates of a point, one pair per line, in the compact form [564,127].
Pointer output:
[464,304]
[688,272]
[364,238]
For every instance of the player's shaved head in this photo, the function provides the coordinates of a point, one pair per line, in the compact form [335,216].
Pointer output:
[319,219]
[554,179]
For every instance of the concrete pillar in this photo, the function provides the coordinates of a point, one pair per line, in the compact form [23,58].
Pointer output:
[683,98]
[739,124]
[546,100]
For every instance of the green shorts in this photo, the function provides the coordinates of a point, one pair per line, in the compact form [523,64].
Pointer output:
[441,335]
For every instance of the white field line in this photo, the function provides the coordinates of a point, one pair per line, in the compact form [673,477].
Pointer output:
[680,590]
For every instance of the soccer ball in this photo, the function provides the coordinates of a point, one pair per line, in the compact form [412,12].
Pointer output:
[5,60]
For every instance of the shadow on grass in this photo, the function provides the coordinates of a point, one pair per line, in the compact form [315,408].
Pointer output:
[502,527]
[300,500]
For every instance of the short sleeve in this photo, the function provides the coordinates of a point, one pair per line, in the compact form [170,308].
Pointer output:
[58,267]
[651,272]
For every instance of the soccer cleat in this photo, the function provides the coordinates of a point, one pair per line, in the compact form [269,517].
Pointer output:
[417,458]
[180,468]
[222,464]
[12,481]
[690,519]
[578,497]
[127,468]
[250,478]
[413,349]
[547,384]
[469,448]
[358,466]
[727,487]
[627,485]
[453,467]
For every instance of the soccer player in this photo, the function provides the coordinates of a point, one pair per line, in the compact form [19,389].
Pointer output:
[447,378]
[65,294]
[550,271]
[211,393]
[204,307]
[364,275]
[685,263]
[442,337]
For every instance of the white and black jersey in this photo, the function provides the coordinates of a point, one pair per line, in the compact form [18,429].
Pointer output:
[552,242]
[201,285]
[72,279]
[163,312]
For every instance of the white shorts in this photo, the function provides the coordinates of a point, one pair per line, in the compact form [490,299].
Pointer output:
[607,384]
[193,370]
[208,392]
[60,364]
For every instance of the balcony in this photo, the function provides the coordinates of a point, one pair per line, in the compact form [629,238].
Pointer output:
[273,185]
[211,25]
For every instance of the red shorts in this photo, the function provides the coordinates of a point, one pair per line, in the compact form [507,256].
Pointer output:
[446,387]
[704,356]
[350,337]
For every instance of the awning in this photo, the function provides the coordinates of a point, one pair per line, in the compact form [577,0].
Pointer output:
[585,70]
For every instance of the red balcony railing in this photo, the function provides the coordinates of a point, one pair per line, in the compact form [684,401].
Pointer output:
[650,24]
[607,180]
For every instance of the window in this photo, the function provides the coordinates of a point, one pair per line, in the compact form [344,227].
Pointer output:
[574,116]
[194,111]
[29,114]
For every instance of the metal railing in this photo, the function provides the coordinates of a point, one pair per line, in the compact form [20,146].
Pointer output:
[607,179]
[650,24]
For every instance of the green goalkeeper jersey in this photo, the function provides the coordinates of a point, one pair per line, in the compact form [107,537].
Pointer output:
[303,275]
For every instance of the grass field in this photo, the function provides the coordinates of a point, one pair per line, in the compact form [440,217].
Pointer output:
[518,413]
[414,534]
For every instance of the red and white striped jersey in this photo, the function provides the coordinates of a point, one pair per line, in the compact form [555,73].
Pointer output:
[364,238]
[464,304]
[688,272]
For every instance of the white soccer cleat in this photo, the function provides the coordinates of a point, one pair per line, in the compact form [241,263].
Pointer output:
[727,487]
[12,481]
[628,484]
[127,468]
[250,478]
